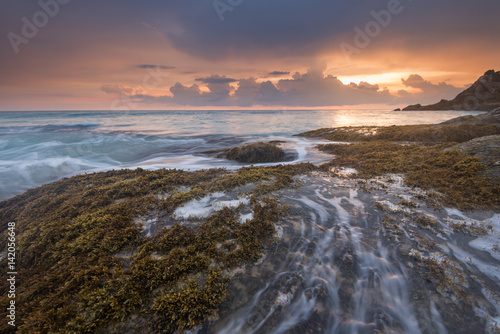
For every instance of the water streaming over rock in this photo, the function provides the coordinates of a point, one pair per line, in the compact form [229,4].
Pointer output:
[339,272]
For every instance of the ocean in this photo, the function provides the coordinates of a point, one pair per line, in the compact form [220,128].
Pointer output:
[38,147]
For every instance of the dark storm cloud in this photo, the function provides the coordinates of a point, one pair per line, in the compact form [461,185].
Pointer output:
[90,42]
[307,27]
[266,27]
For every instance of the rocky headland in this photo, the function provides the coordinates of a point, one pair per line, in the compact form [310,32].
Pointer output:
[483,95]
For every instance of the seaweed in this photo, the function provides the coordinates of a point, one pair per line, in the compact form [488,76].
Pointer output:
[427,133]
[455,176]
[72,235]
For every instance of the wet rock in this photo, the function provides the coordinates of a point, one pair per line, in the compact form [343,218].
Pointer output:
[255,153]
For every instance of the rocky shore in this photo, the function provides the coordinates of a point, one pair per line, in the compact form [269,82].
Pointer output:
[399,232]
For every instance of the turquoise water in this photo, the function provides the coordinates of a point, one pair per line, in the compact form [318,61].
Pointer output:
[39,147]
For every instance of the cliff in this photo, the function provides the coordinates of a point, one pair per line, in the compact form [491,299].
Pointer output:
[483,95]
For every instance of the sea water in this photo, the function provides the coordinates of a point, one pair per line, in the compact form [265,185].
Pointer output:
[38,147]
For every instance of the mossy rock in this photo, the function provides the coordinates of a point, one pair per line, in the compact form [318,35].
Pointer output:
[488,150]
[255,153]
[71,234]
[461,178]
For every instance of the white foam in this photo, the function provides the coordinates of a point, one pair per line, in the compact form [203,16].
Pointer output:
[468,259]
[283,299]
[397,180]
[202,208]
[344,171]
[493,321]
[147,225]
[455,212]
[194,330]
[335,202]
[245,217]
[391,206]
[279,231]
[491,242]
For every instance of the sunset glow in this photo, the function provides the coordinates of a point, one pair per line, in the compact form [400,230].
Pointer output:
[250,166]
[168,55]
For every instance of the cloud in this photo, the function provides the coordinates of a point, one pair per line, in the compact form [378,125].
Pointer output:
[149,66]
[216,79]
[429,92]
[255,35]
[298,28]
[416,81]
[250,92]
[315,89]
[364,85]
[118,89]
[277,73]
[311,89]
[187,95]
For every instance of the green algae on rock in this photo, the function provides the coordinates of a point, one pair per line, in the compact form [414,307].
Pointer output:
[487,149]
[86,266]
[255,153]
[463,175]
[456,176]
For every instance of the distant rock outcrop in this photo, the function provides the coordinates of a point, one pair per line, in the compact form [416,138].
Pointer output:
[483,95]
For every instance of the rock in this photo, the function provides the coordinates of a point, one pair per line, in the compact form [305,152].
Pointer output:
[397,109]
[255,153]
[483,95]
[488,150]
[413,107]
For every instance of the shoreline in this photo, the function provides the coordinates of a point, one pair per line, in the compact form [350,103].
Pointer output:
[88,142]
[170,235]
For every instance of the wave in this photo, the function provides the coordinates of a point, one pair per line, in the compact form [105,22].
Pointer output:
[49,128]
[19,176]
[31,159]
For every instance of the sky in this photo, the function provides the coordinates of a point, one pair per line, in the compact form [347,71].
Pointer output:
[249,54]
